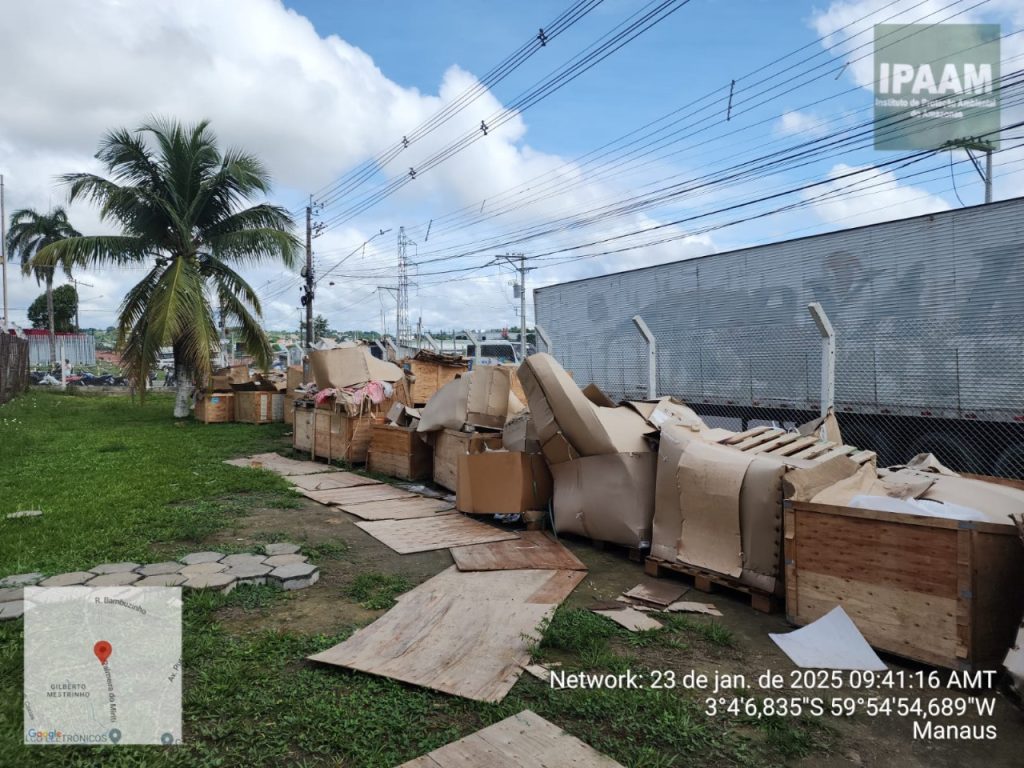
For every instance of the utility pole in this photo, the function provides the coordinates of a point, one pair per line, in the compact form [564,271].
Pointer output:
[978,145]
[519,291]
[78,301]
[3,248]
[402,329]
[307,272]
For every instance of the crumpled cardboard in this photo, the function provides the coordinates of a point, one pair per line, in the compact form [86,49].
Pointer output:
[520,435]
[608,498]
[480,398]
[502,482]
[349,367]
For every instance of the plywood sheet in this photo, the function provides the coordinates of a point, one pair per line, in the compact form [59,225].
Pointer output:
[357,495]
[533,549]
[525,740]
[421,534]
[657,592]
[280,464]
[329,480]
[401,509]
[465,633]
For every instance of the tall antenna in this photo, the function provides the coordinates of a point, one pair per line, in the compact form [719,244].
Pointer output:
[403,331]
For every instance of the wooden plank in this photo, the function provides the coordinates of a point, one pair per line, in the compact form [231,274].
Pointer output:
[778,442]
[401,509]
[466,633]
[342,497]
[525,740]
[329,480]
[763,437]
[815,450]
[797,445]
[280,464]
[734,439]
[425,533]
[533,549]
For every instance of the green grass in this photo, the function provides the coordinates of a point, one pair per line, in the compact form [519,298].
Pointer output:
[113,479]
[116,482]
[377,591]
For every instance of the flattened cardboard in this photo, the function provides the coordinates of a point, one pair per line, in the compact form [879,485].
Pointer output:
[710,478]
[447,408]
[656,592]
[608,498]
[294,377]
[502,482]
[805,484]
[631,619]
[350,366]
[594,394]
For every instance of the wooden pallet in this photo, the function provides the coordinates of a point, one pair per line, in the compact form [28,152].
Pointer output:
[634,554]
[778,442]
[708,581]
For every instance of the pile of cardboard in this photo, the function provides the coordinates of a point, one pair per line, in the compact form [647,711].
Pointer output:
[234,394]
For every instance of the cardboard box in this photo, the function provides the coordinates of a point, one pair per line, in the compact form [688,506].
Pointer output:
[289,408]
[293,377]
[223,379]
[606,498]
[215,407]
[349,367]
[399,452]
[487,400]
[332,435]
[520,435]
[502,482]
[259,406]
[450,444]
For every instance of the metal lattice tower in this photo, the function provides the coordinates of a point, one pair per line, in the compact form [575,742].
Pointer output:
[403,331]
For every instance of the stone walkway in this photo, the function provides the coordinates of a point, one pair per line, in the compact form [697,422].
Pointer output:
[281,565]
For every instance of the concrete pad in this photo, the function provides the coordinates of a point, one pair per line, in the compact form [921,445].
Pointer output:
[25,513]
[22,580]
[295,576]
[234,560]
[249,573]
[279,560]
[217,582]
[281,548]
[160,569]
[105,568]
[202,557]
[114,580]
[72,579]
[7,594]
[161,580]
[11,610]
[202,569]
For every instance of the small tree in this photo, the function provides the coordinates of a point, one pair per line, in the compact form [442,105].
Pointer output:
[320,327]
[65,305]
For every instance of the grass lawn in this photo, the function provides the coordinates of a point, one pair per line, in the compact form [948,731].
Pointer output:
[119,482]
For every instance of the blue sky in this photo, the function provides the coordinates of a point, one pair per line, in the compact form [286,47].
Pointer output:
[316,88]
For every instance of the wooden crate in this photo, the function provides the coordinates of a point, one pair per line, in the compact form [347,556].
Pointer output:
[428,378]
[945,592]
[259,407]
[215,407]
[399,452]
[332,435]
[450,444]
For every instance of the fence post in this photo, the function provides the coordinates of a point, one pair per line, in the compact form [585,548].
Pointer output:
[828,356]
[652,357]
[545,338]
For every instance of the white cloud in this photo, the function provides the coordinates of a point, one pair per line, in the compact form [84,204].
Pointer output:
[803,123]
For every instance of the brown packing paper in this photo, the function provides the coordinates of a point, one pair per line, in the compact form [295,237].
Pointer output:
[710,478]
[608,498]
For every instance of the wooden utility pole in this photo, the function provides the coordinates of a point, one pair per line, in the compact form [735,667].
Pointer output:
[3,248]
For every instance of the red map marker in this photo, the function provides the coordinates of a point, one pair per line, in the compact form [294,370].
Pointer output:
[102,649]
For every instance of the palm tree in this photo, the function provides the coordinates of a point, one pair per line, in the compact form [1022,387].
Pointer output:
[180,204]
[30,232]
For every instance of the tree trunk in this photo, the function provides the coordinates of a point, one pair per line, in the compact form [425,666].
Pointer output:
[49,311]
[184,390]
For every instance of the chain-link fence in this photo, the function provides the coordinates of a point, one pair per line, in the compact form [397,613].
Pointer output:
[13,366]
[929,329]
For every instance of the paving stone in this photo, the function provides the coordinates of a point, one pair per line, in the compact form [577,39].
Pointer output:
[201,569]
[22,580]
[11,610]
[114,580]
[219,582]
[159,569]
[105,568]
[67,579]
[249,573]
[295,576]
[25,513]
[202,557]
[278,560]
[161,580]
[281,548]
[234,560]
[7,594]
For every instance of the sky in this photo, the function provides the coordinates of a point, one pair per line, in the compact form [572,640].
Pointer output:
[318,88]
